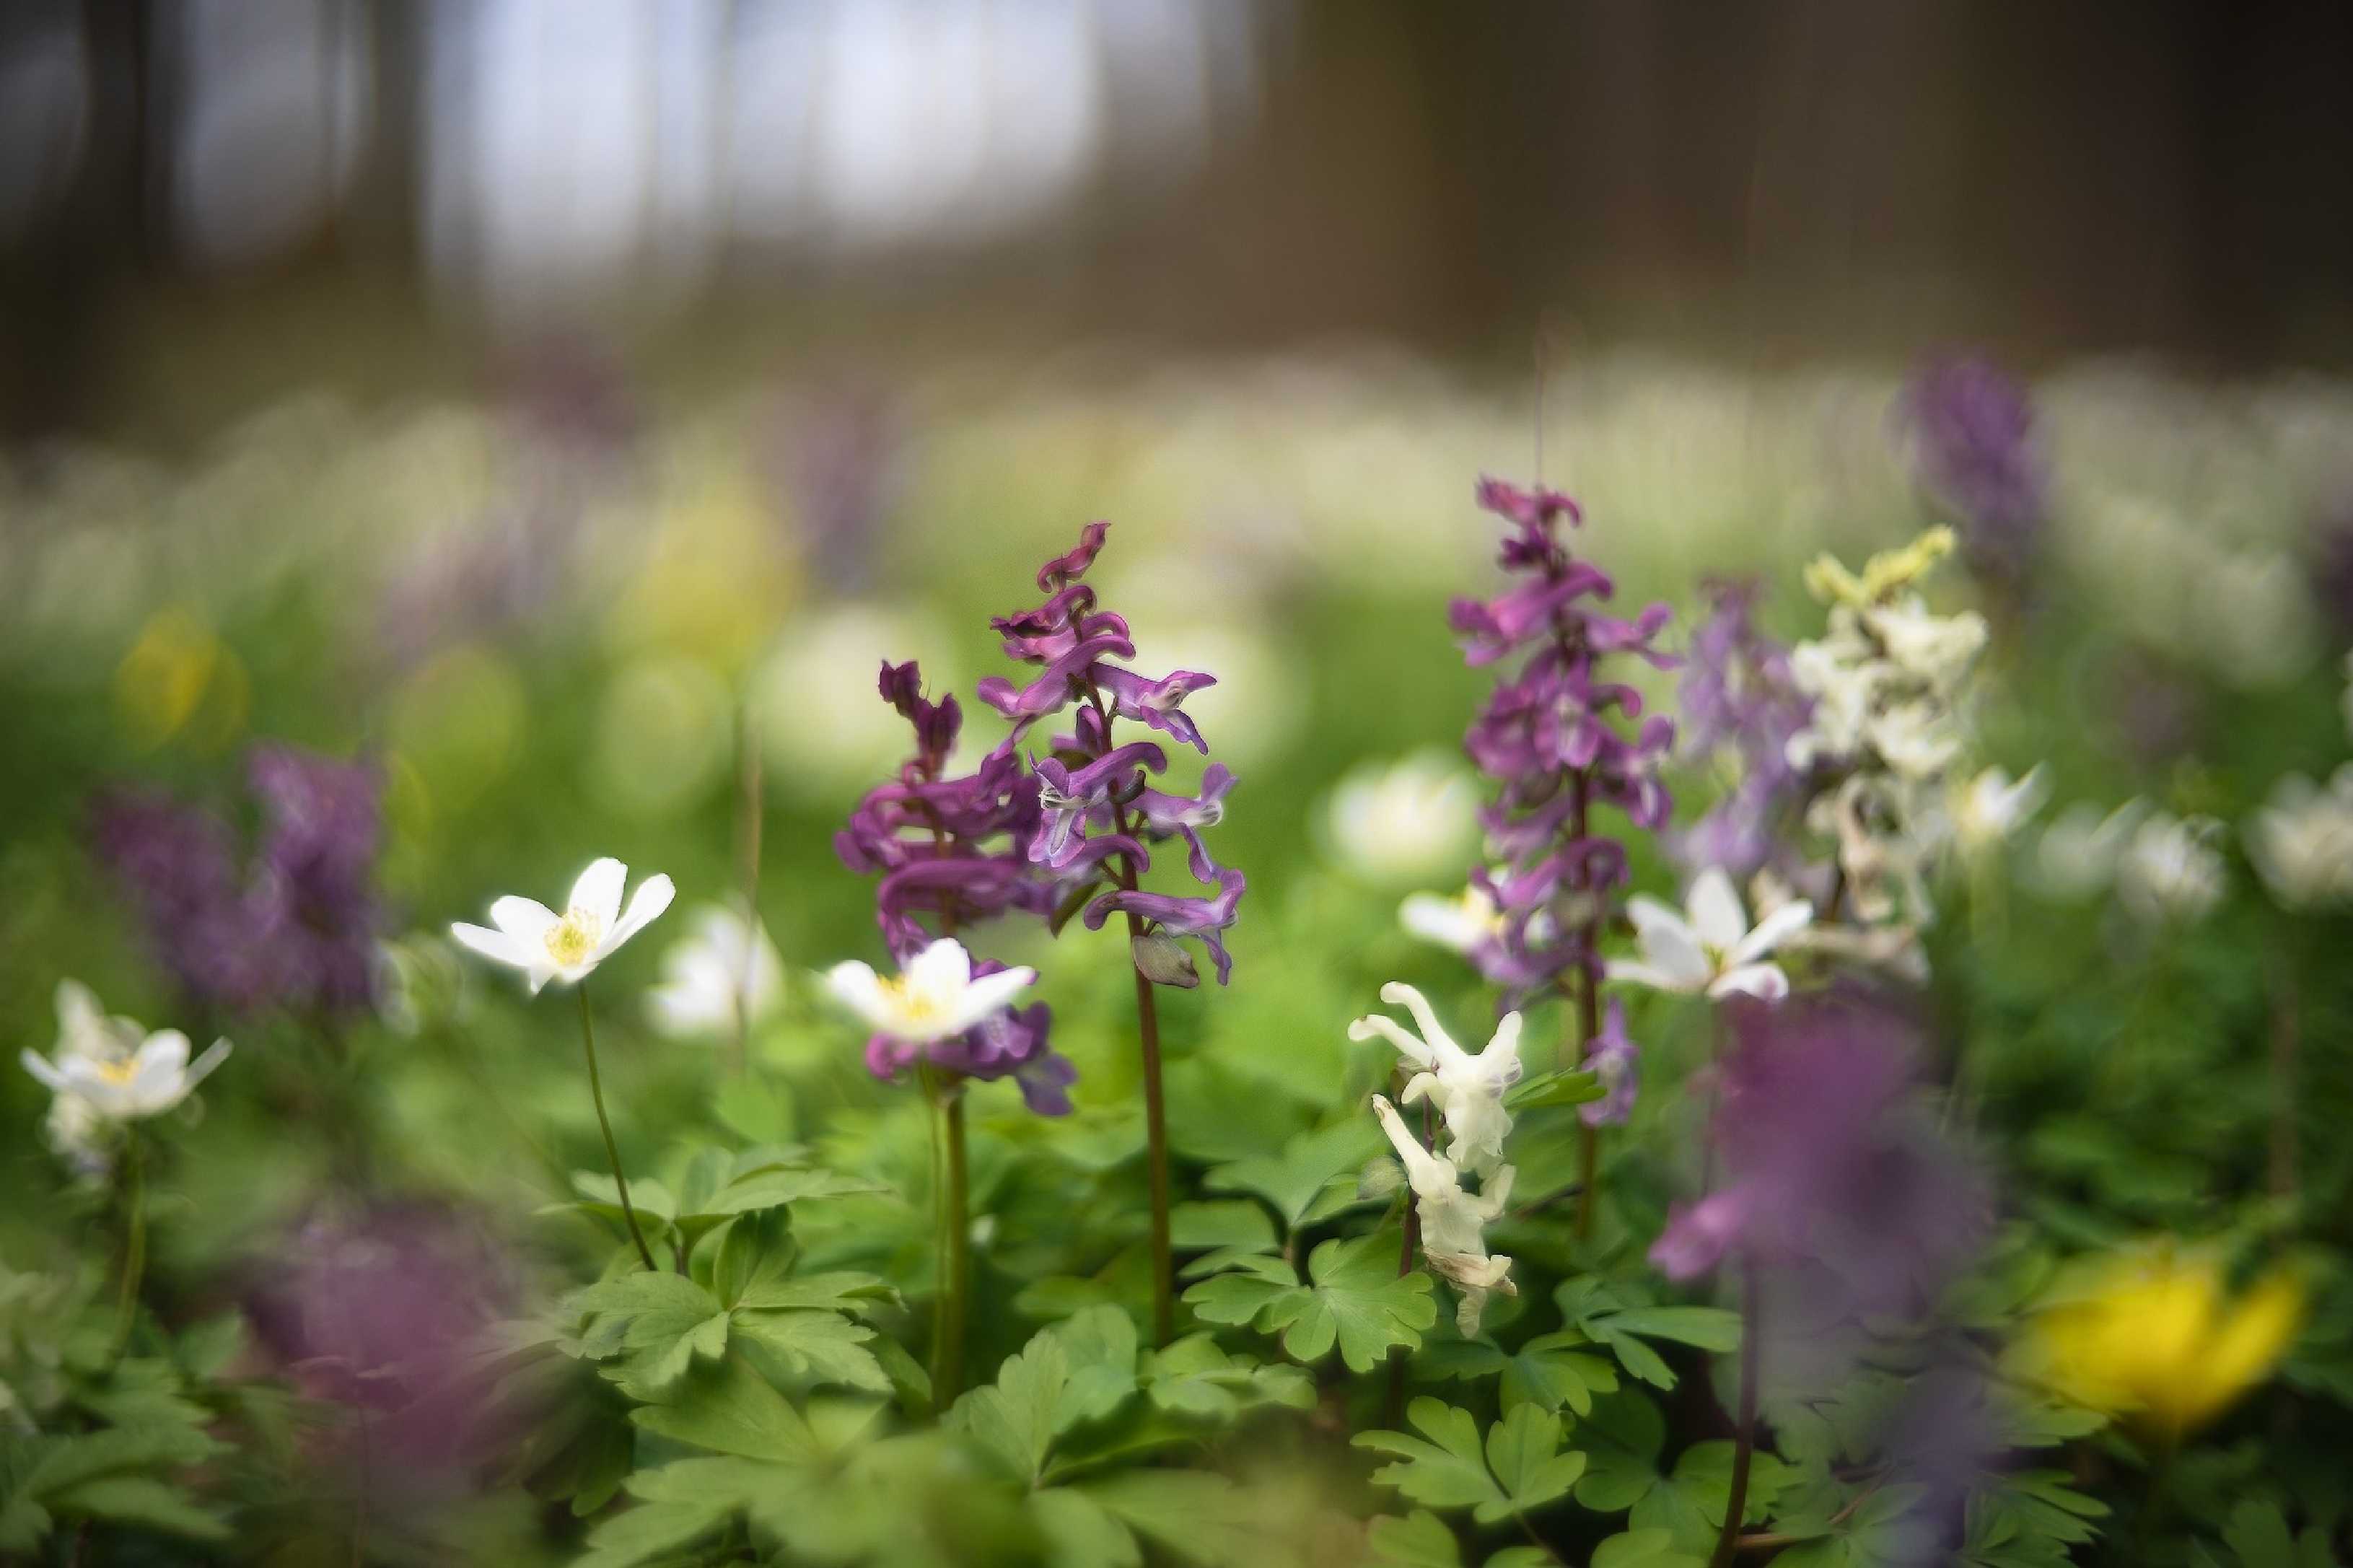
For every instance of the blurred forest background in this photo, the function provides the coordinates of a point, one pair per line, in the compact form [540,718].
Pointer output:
[205,203]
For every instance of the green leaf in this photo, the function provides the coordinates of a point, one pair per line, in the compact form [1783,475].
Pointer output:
[1689,1502]
[1231,1222]
[1621,1440]
[1080,1532]
[2258,1532]
[656,1323]
[1644,1548]
[142,1501]
[813,1347]
[1099,1351]
[1548,1371]
[755,1250]
[1573,1086]
[1520,1467]
[731,1409]
[1603,1315]
[1357,1300]
[1315,1174]
[647,1532]
[1193,1377]
[1523,1557]
[1014,1417]
[1193,1515]
[1420,1540]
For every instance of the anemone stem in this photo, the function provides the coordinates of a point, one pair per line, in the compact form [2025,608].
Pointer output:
[605,1124]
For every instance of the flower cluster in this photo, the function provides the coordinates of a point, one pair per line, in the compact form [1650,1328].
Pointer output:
[1468,1090]
[1974,448]
[953,847]
[295,924]
[2301,841]
[1741,705]
[1096,812]
[1885,732]
[1552,736]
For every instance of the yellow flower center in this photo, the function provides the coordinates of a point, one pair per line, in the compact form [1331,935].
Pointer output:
[917,1007]
[571,939]
[117,1071]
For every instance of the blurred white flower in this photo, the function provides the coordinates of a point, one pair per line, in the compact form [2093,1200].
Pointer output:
[1460,924]
[2256,618]
[2075,860]
[2170,870]
[934,997]
[114,1070]
[825,731]
[2301,841]
[1469,1090]
[1936,650]
[1989,808]
[568,947]
[1710,947]
[725,971]
[1406,820]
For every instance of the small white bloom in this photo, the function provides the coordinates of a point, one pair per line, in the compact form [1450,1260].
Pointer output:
[1460,924]
[2171,870]
[723,971]
[1453,1222]
[2302,842]
[1988,809]
[1468,1089]
[1936,650]
[548,946]
[1710,946]
[1405,820]
[2076,857]
[114,1071]
[933,998]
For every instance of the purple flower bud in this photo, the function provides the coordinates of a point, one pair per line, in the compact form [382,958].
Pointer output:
[1971,433]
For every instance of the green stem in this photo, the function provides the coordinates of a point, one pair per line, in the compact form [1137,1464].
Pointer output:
[135,1238]
[1588,1023]
[1155,1138]
[612,1150]
[1752,1336]
[946,1095]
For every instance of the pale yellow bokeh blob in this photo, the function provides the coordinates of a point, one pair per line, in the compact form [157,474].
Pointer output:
[714,578]
[665,736]
[180,681]
[458,725]
[2155,1339]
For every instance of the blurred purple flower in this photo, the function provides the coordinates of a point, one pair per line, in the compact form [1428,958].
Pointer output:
[1612,1057]
[1554,736]
[1740,701]
[1827,1166]
[380,1313]
[1970,430]
[293,927]
[836,463]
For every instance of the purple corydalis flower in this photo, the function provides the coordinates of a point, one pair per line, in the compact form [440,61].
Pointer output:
[1971,433]
[1611,1056]
[1740,700]
[1554,736]
[1096,811]
[1826,1163]
[294,923]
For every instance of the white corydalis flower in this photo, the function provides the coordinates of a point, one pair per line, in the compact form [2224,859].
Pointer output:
[2301,841]
[2076,857]
[1467,1088]
[934,997]
[1453,1222]
[1710,947]
[1989,808]
[724,971]
[2170,870]
[112,1071]
[1462,924]
[1406,820]
[548,946]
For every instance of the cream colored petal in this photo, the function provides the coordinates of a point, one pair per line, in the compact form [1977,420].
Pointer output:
[652,897]
[856,987]
[1390,1029]
[598,891]
[1433,1033]
[1716,916]
[1771,932]
[492,945]
[41,1067]
[526,920]
[942,969]
[989,995]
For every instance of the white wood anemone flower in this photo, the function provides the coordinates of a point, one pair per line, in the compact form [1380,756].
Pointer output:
[1467,1087]
[933,998]
[724,971]
[105,1065]
[1460,924]
[1709,947]
[548,946]
[1453,1222]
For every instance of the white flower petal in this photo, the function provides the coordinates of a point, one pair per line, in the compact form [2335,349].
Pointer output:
[1670,945]
[41,1067]
[1634,972]
[597,890]
[1442,1043]
[942,969]
[526,920]
[1390,1029]
[1715,913]
[492,945]
[856,987]
[1765,981]
[652,897]
[1771,932]
[202,1068]
[989,995]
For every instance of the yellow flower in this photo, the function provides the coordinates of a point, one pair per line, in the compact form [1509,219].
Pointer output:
[2154,1339]
[1883,576]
